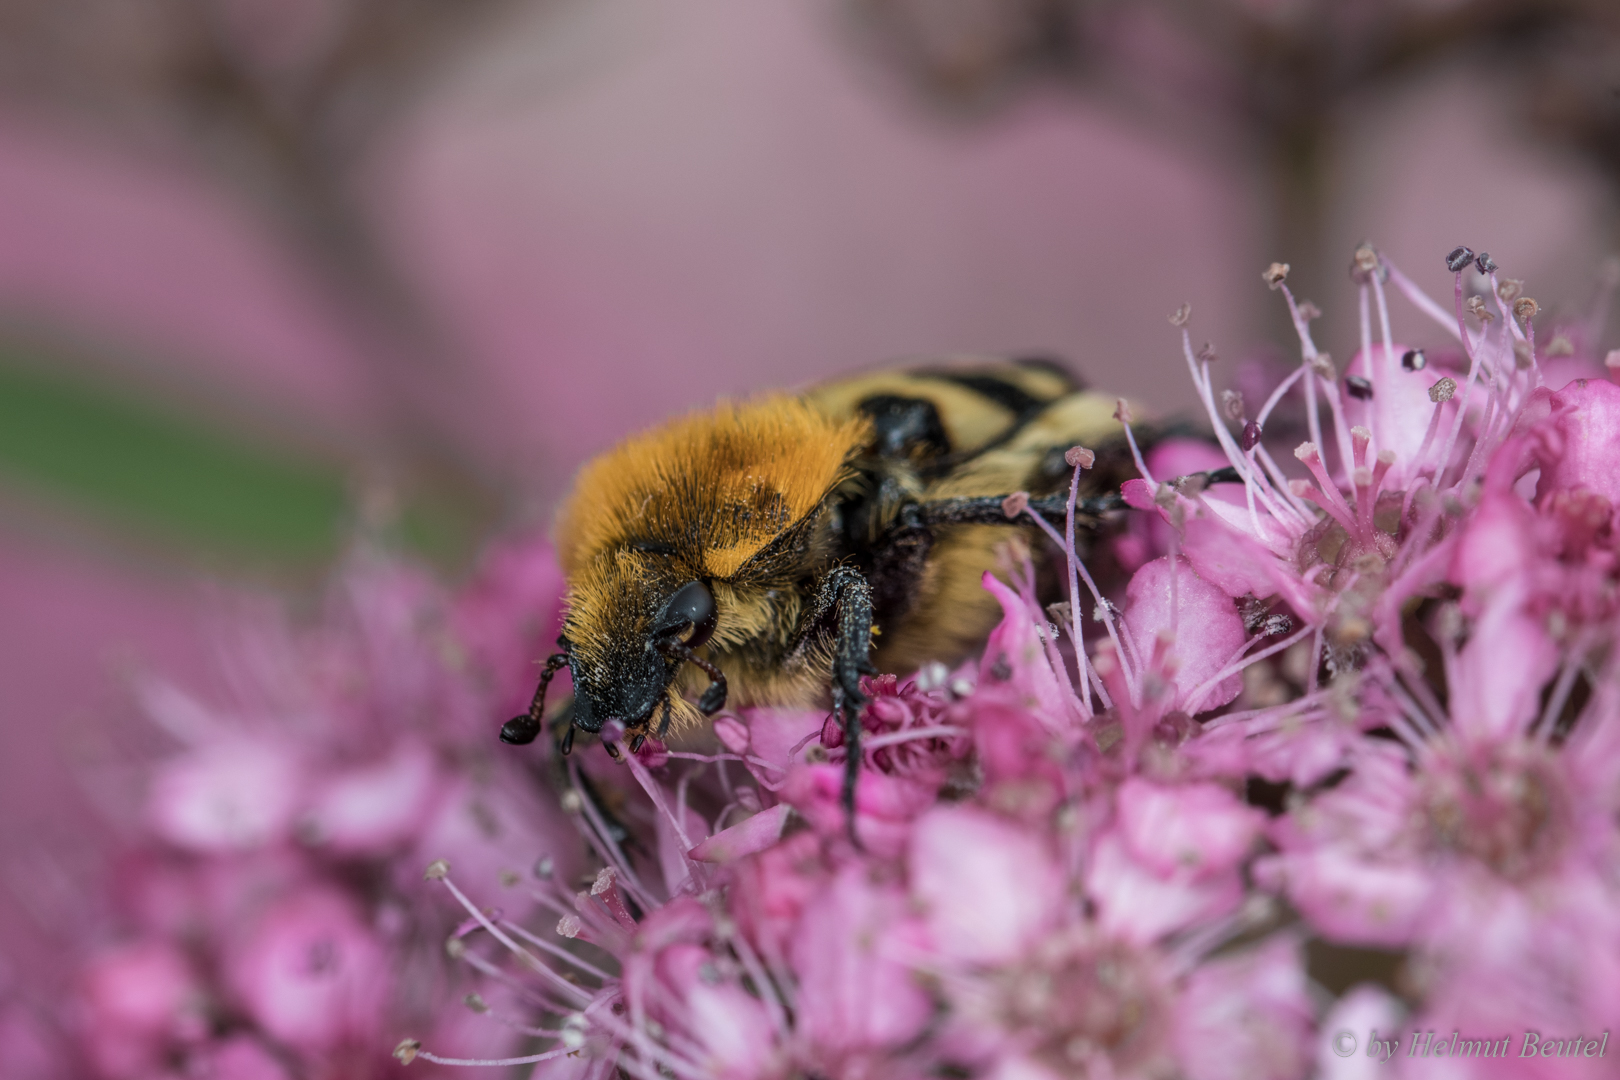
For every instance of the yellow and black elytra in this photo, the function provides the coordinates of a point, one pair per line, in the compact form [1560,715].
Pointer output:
[754,550]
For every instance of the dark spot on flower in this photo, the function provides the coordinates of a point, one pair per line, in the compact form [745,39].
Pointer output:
[1001,670]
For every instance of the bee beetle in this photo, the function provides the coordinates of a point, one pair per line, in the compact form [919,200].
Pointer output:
[749,554]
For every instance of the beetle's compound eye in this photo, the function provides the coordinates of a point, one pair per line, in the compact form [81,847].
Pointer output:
[691,606]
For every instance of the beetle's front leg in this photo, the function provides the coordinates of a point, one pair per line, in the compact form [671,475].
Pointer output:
[845,594]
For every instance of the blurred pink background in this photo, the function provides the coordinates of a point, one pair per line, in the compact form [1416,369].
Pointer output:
[596,215]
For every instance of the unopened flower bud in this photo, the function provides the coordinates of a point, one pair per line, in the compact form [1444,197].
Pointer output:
[1180,316]
[1459,259]
[1443,390]
[1275,274]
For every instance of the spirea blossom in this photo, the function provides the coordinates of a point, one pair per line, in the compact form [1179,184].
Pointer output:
[1335,694]
[1355,692]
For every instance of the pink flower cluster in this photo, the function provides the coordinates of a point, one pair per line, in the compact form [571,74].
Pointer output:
[1366,703]
[266,921]
[1351,712]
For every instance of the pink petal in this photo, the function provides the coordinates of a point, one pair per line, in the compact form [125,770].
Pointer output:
[1355,900]
[856,993]
[1580,440]
[1202,829]
[1373,1017]
[311,973]
[1246,1017]
[1208,630]
[988,888]
[1139,906]
[373,809]
[1014,655]
[745,838]
[1399,412]
[233,794]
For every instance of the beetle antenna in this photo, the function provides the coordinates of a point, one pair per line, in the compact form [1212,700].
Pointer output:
[524,729]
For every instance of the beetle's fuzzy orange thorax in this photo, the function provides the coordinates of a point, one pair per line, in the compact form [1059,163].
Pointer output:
[711,489]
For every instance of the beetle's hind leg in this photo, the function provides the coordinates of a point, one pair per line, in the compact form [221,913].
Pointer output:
[846,594]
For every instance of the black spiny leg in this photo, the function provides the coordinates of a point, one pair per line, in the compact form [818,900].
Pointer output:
[987,509]
[522,730]
[845,593]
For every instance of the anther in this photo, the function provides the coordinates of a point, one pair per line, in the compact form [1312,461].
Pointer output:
[1206,353]
[636,740]
[1359,387]
[1414,360]
[1476,308]
[1322,364]
[1232,404]
[436,870]
[1180,316]
[1251,436]
[1444,390]
[1079,457]
[1524,309]
[1458,259]
[1309,311]
[611,748]
[1484,263]
[1509,289]
[1015,504]
[1363,264]
[407,1050]
[1277,273]
[1276,625]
